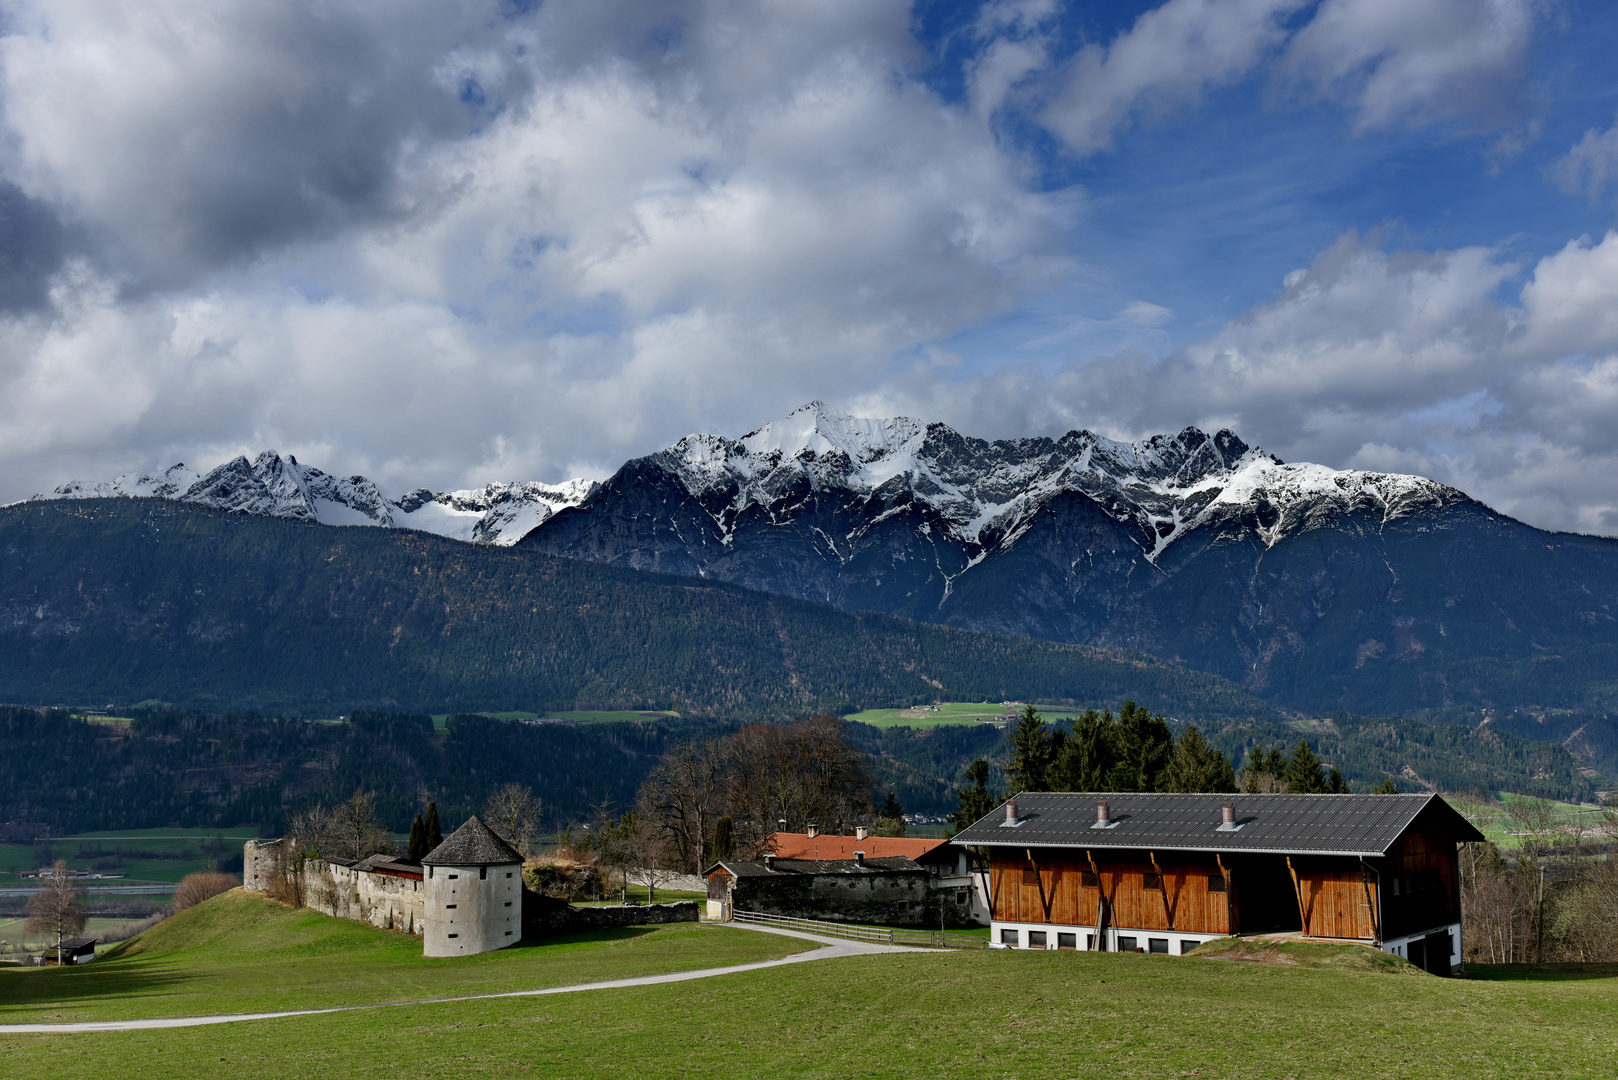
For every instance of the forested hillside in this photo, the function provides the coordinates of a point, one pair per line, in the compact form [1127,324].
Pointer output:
[125,600]
[190,769]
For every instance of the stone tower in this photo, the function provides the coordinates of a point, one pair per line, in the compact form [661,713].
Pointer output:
[473,884]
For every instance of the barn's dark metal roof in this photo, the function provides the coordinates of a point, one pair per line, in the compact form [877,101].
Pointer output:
[1292,824]
[473,844]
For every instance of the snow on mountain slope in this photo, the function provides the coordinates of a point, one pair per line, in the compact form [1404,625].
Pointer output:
[1166,485]
[273,486]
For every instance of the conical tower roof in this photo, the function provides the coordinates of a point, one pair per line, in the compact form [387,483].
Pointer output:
[473,844]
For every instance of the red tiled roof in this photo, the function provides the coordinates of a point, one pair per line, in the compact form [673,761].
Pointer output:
[787,845]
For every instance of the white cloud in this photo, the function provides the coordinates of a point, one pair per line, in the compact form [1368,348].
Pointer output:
[467,241]
[1395,63]
[1390,62]
[1168,59]
[1591,165]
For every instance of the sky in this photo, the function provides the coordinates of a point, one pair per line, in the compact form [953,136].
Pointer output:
[446,242]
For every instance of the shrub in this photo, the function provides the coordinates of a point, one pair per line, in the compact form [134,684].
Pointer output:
[195,888]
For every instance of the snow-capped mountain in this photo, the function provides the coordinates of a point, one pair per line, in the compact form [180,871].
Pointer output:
[273,486]
[984,492]
[1192,546]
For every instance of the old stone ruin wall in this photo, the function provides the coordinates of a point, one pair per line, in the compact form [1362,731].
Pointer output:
[382,900]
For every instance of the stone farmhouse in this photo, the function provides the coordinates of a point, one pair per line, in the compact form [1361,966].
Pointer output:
[1163,873]
[891,880]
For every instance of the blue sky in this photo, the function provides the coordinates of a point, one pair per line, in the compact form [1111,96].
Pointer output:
[449,243]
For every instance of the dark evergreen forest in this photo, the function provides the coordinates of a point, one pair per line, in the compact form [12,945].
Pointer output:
[191,769]
[128,600]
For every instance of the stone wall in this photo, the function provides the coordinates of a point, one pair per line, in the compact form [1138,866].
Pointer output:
[547,915]
[893,898]
[382,900]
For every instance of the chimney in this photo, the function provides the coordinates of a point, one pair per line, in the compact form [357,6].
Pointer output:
[814,831]
[1228,814]
[859,858]
[1011,811]
[769,862]
[1103,813]
[861,832]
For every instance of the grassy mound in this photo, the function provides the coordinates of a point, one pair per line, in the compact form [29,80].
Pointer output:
[239,952]
[1308,954]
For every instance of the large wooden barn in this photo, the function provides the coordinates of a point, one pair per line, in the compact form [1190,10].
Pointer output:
[1165,873]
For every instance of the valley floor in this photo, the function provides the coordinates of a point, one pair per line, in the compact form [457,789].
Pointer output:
[924,1014]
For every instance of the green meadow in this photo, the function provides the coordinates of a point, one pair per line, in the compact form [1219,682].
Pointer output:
[1301,1013]
[156,855]
[948,712]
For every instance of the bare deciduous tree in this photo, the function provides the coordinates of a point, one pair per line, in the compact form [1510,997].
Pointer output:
[803,773]
[681,799]
[55,908]
[355,829]
[514,812]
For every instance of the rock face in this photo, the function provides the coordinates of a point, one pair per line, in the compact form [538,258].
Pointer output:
[273,486]
[1306,584]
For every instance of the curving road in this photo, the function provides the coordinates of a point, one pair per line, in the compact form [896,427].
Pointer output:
[831,949]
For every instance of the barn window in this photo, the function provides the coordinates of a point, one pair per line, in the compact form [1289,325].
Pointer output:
[1036,939]
[1152,881]
[1216,883]
[1008,937]
[1030,877]
[1158,945]
[1126,944]
[483,873]
[1088,879]
[1067,941]
[1186,946]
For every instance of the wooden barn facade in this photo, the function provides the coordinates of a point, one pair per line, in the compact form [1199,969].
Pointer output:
[1165,873]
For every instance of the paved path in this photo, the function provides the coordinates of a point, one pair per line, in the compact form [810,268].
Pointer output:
[831,949]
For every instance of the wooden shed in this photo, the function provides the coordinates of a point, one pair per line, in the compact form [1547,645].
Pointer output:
[1165,873]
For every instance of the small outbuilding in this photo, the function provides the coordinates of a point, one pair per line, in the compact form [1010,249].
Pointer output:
[74,950]
[1163,873]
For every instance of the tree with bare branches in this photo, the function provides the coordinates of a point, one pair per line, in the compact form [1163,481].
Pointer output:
[55,909]
[514,812]
[681,799]
[355,830]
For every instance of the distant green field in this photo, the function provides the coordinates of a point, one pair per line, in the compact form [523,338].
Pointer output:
[140,854]
[574,715]
[994,1014]
[949,712]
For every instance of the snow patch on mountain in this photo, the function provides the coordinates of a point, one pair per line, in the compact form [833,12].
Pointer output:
[987,492]
[273,486]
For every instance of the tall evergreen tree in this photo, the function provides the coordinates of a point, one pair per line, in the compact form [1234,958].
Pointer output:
[724,838]
[977,801]
[1145,746]
[893,817]
[1196,766]
[417,848]
[1263,772]
[1303,775]
[1028,767]
[1386,787]
[1087,754]
[1335,784]
[435,834]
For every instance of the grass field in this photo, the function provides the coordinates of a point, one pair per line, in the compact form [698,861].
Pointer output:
[938,1014]
[573,715]
[949,712]
[240,953]
[180,850]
